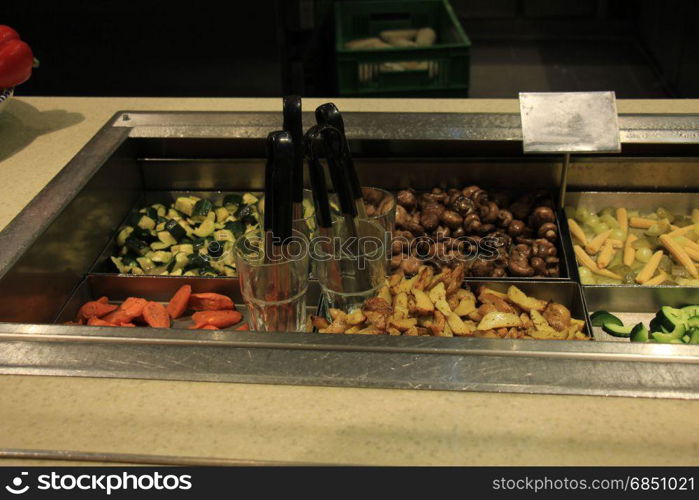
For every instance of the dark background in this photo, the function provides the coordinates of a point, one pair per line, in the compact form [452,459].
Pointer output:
[640,49]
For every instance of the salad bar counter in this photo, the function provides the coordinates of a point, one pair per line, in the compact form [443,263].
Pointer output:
[598,297]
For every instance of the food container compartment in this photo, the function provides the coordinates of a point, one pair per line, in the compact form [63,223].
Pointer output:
[160,289]
[567,293]
[643,201]
[563,245]
[635,304]
[103,264]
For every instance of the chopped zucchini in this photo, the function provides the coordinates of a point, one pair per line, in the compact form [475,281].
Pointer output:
[151,212]
[205,229]
[175,229]
[145,263]
[160,209]
[202,209]
[232,200]
[221,214]
[161,257]
[136,245]
[123,234]
[235,227]
[184,247]
[120,266]
[186,204]
[246,214]
[159,245]
[167,238]
[176,272]
[224,235]
[249,199]
[146,222]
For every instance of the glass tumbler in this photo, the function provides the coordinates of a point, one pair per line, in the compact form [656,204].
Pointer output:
[274,286]
[350,269]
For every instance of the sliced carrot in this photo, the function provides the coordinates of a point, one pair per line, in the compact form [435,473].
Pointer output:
[221,319]
[178,303]
[103,300]
[130,309]
[94,309]
[203,327]
[156,315]
[130,325]
[243,327]
[99,322]
[210,302]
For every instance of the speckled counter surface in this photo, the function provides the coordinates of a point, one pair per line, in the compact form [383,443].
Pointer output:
[304,424]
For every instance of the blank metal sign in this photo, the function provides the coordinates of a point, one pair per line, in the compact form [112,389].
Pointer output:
[568,122]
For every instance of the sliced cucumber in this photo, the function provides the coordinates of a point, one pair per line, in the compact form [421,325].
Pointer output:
[675,334]
[693,336]
[671,317]
[690,311]
[693,322]
[617,330]
[600,318]
[639,333]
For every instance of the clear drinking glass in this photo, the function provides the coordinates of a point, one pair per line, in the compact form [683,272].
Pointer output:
[350,269]
[380,208]
[274,288]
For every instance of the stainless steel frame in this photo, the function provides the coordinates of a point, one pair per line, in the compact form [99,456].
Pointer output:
[134,152]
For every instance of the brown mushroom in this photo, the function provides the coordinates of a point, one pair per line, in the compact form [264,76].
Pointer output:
[462,205]
[402,217]
[451,219]
[372,196]
[541,215]
[472,223]
[504,218]
[410,265]
[516,228]
[488,212]
[407,199]
[548,230]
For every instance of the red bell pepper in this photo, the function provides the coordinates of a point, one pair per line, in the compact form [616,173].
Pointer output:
[16,58]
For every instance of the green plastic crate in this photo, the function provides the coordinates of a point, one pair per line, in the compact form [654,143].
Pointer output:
[444,68]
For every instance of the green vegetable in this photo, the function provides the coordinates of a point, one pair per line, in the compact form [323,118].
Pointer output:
[175,229]
[639,333]
[599,318]
[202,208]
[137,246]
[617,330]
[232,199]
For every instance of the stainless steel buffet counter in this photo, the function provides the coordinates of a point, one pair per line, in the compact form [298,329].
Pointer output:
[466,364]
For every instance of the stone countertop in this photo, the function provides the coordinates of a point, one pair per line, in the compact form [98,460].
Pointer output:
[209,421]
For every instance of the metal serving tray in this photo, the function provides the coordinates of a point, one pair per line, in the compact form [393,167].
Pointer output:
[48,251]
[636,304]
[649,201]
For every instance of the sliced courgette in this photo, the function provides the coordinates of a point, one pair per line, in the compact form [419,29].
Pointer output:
[146,222]
[205,229]
[232,200]
[235,227]
[167,238]
[123,234]
[175,229]
[639,333]
[136,245]
[145,263]
[185,204]
[246,214]
[161,257]
[600,318]
[249,198]
[201,209]
[617,330]
[221,214]
[159,245]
